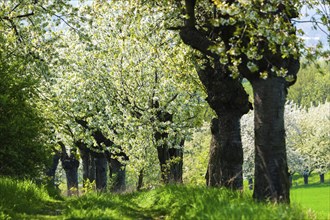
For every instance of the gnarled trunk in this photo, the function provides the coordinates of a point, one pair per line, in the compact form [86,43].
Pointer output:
[271,169]
[226,96]
[226,153]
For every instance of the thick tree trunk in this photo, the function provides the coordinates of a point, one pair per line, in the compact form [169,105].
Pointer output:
[163,157]
[226,96]
[103,159]
[176,155]
[171,163]
[213,174]
[226,153]
[271,169]
[70,165]
[52,170]
[117,175]
[88,163]
[117,171]
[101,172]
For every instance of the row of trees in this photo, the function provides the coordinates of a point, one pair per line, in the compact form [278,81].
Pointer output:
[119,90]
[129,84]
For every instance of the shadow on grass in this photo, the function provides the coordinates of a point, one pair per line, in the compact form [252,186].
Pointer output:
[311,185]
[107,206]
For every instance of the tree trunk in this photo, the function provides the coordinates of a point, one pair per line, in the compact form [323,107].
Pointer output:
[176,155]
[70,165]
[163,157]
[305,179]
[322,178]
[101,172]
[271,169]
[52,170]
[213,174]
[117,171]
[88,163]
[140,180]
[226,153]
[117,175]
[170,159]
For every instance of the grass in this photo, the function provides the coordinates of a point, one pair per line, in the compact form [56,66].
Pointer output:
[177,202]
[314,196]
[25,200]
[19,199]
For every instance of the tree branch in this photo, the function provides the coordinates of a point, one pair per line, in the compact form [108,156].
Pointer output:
[191,36]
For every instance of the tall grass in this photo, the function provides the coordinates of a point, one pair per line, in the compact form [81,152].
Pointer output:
[178,202]
[22,196]
[26,200]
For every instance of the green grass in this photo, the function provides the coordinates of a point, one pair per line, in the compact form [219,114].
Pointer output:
[314,196]
[177,202]
[25,200]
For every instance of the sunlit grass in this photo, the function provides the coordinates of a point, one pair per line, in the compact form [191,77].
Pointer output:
[178,202]
[19,197]
[314,196]
[26,200]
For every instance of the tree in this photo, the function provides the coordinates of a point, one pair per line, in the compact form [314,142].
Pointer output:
[268,58]
[24,44]
[312,85]
[310,138]
[226,97]
[127,71]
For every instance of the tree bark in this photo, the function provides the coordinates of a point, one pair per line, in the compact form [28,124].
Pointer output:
[226,96]
[117,173]
[170,159]
[176,154]
[88,163]
[70,165]
[271,169]
[116,168]
[101,172]
[52,170]
[226,153]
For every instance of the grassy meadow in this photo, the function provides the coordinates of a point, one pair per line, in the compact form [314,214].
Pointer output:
[25,200]
[314,196]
